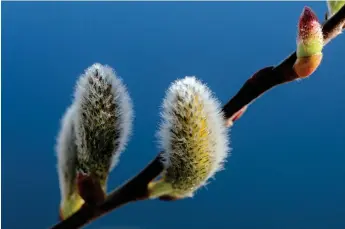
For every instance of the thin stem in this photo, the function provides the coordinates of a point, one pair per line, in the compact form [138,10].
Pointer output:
[133,190]
[269,77]
[263,80]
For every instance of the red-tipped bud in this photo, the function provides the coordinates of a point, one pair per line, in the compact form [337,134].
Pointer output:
[309,44]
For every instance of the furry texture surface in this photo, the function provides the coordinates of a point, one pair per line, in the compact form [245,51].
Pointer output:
[193,136]
[103,120]
[67,154]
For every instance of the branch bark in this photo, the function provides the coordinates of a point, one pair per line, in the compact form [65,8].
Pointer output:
[269,77]
[263,80]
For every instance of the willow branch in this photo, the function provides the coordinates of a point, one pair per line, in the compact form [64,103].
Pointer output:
[269,77]
[133,190]
[262,81]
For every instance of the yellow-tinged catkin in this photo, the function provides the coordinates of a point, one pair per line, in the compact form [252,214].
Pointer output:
[193,137]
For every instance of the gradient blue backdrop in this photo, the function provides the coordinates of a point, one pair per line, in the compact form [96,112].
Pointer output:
[287,168]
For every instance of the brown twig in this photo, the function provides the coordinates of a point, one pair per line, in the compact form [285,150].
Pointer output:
[263,80]
[133,190]
[269,77]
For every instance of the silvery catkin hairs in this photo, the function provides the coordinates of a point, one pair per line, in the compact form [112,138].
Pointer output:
[94,131]
[67,155]
[67,161]
[193,137]
[103,120]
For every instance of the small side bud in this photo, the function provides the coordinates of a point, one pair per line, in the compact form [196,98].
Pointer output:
[103,122]
[193,137]
[333,7]
[309,44]
[67,161]
[236,116]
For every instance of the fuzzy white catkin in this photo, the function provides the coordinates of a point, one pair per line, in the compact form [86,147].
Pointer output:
[67,154]
[103,120]
[193,136]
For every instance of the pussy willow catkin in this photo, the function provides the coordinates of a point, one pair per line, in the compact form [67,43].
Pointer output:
[103,120]
[94,131]
[193,137]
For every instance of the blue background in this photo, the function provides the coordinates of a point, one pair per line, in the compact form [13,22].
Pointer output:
[287,168]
